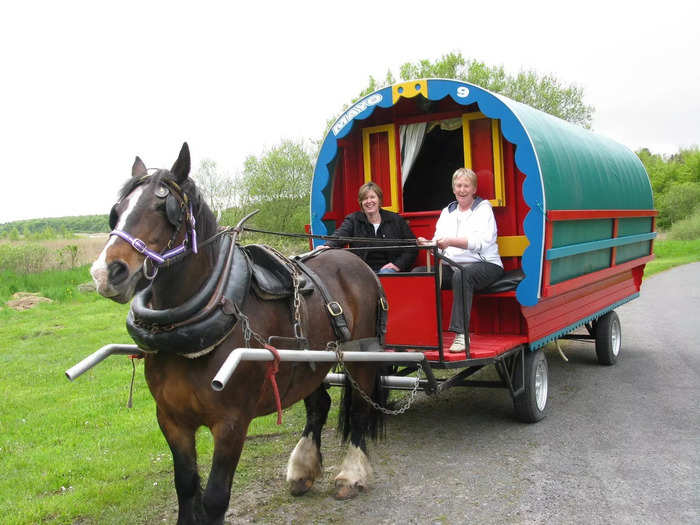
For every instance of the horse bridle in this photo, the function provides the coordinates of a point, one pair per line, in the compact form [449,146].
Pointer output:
[177,202]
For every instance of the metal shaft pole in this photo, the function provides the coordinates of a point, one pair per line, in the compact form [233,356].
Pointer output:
[309,356]
[99,356]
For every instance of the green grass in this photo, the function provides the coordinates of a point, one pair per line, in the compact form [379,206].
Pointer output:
[669,253]
[58,285]
[73,452]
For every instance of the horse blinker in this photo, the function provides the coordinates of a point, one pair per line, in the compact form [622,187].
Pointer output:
[173,210]
[113,216]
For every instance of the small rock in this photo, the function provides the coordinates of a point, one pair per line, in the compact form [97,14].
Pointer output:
[87,287]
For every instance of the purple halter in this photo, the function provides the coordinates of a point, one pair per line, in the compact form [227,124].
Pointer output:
[160,258]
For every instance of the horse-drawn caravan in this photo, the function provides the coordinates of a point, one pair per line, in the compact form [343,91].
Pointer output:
[231,332]
[574,212]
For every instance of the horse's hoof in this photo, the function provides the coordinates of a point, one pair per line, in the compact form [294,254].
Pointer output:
[344,492]
[299,487]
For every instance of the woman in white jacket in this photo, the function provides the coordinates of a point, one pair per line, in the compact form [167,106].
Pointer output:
[466,233]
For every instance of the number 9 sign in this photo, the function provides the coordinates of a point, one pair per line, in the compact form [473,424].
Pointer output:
[462,91]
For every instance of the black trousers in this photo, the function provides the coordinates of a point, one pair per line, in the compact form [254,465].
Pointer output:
[473,277]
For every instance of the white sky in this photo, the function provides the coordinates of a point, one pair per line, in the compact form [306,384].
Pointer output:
[86,86]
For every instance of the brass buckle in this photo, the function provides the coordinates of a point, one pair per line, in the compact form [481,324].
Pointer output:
[384,304]
[333,305]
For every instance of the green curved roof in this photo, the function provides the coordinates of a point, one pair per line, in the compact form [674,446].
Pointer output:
[581,170]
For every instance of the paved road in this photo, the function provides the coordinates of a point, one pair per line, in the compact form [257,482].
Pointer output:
[619,445]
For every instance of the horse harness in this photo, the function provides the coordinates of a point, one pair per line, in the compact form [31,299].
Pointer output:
[197,326]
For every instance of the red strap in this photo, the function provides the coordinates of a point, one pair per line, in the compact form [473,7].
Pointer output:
[272,369]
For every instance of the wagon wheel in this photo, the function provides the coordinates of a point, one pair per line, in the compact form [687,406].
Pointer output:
[608,338]
[530,405]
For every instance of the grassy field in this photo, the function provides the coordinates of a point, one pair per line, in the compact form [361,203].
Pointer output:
[73,452]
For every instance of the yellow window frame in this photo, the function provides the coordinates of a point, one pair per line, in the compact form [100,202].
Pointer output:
[498,176]
[367,161]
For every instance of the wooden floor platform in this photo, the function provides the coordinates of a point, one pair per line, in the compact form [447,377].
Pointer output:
[483,346]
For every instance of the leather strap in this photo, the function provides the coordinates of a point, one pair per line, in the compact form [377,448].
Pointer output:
[335,310]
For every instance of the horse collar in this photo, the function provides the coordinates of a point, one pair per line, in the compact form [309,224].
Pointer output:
[201,322]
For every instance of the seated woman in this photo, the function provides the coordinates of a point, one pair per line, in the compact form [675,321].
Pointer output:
[374,222]
[466,234]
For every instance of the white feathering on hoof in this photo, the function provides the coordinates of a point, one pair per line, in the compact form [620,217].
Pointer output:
[356,469]
[305,461]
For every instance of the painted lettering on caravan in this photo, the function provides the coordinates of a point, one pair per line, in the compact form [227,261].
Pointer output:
[358,108]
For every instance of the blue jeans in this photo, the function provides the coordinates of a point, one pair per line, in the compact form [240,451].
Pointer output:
[387,270]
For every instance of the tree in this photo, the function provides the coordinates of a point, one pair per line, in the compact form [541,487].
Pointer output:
[279,183]
[544,92]
[675,180]
[218,190]
[680,167]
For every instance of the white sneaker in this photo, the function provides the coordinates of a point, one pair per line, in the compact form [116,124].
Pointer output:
[458,344]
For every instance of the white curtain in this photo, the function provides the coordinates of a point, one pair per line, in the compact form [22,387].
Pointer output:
[411,136]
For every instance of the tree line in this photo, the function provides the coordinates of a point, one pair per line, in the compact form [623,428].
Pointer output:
[53,228]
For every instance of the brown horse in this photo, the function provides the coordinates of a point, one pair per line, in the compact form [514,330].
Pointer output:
[162,210]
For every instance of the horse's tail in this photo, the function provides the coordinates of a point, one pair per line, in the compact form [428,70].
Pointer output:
[380,395]
[374,423]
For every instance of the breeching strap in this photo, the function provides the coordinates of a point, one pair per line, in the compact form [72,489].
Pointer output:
[272,370]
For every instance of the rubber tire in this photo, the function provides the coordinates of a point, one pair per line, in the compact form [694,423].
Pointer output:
[526,405]
[608,338]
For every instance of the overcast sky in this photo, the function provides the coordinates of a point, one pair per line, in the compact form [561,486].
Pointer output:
[86,86]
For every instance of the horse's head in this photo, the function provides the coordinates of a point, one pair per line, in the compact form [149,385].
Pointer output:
[152,221]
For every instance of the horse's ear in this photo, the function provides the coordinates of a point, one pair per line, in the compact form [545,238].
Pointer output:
[139,168]
[181,168]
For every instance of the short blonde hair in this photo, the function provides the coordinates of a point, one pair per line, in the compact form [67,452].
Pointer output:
[366,188]
[465,172]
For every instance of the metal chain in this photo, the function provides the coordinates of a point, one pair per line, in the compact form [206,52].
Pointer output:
[410,398]
[331,345]
[248,331]
[298,328]
[296,281]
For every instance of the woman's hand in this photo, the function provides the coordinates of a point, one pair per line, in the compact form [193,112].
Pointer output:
[442,242]
[445,242]
[422,241]
[391,266]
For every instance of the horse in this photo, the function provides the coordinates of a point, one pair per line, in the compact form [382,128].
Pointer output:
[152,256]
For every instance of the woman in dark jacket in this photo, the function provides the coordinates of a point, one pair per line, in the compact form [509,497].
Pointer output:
[374,222]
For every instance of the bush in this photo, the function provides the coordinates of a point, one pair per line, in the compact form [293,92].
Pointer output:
[295,213]
[23,258]
[686,229]
[677,203]
[68,256]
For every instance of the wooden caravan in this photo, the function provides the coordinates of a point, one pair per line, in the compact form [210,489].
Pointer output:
[574,210]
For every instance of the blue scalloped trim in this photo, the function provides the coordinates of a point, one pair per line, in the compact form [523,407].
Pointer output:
[556,335]
[493,106]
[329,149]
